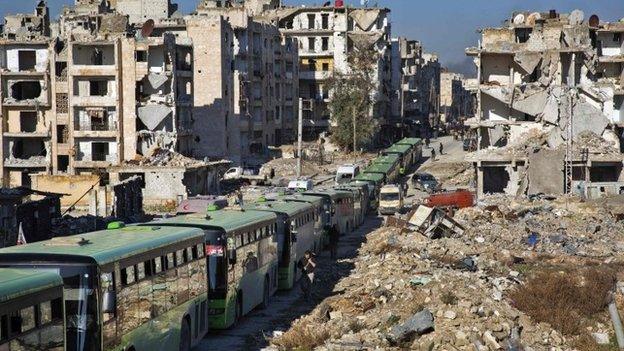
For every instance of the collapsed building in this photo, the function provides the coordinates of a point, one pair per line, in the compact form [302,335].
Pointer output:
[415,84]
[550,93]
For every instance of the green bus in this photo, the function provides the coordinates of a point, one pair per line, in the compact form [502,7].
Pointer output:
[31,310]
[241,249]
[295,236]
[360,200]
[340,204]
[322,218]
[386,165]
[404,152]
[374,181]
[416,144]
[133,288]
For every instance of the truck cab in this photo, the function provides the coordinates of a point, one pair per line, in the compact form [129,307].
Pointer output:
[390,199]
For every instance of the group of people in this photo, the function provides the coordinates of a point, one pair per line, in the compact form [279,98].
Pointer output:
[433,152]
[308,262]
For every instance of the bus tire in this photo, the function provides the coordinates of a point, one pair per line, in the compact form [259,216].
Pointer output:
[238,309]
[266,294]
[185,336]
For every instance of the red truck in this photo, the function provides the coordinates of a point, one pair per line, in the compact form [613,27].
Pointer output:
[451,199]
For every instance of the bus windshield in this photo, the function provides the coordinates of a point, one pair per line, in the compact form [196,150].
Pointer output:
[389,196]
[216,251]
[81,311]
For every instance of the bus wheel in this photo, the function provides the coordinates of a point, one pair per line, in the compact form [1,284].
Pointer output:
[265,295]
[238,313]
[185,336]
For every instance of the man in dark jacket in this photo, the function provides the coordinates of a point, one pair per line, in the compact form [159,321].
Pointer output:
[334,237]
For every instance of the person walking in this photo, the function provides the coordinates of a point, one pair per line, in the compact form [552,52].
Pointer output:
[308,268]
[334,237]
[433,154]
[441,149]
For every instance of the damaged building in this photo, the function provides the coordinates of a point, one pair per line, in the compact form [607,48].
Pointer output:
[415,87]
[549,103]
[455,100]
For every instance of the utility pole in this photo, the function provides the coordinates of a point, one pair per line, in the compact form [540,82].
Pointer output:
[299,137]
[354,133]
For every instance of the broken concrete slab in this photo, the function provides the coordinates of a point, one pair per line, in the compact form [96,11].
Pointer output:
[588,118]
[419,324]
[545,172]
[157,80]
[528,61]
[532,104]
[153,115]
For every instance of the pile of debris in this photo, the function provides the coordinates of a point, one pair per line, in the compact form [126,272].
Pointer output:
[166,158]
[464,290]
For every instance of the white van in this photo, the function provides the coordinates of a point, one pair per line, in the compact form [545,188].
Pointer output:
[390,199]
[301,185]
[346,173]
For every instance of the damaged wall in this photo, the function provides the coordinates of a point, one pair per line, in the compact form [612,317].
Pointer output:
[545,172]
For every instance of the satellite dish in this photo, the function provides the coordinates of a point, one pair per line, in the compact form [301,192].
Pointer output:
[532,18]
[594,21]
[147,28]
[576,17]
[519,19]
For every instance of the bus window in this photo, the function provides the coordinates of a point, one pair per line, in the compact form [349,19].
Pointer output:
[4,328]
[28,318]
[179,257]
[45,311]
[107,284]
[140,271]
[127,275]
[158,264]
[200,250]
[170,261]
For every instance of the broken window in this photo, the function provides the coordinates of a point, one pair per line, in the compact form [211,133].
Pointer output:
[26,182]
[27,60]
[605,173]
[62,162]
[98,87]
[61,71]
[325,66]
[141,56]
[325,43]
[311,43]
[97,57]
[26,148]
[62,134]
[495,180]
[99,151]
[311,21]
[617,37]
[325,21]
[28,121]
[26,90]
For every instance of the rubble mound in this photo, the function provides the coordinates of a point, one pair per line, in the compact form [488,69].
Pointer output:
[164,157]
[502,284]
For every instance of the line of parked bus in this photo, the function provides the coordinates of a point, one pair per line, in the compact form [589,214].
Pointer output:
[162,285]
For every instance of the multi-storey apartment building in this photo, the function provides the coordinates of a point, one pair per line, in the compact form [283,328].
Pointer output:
[455,99]
[550,103]
[325,36]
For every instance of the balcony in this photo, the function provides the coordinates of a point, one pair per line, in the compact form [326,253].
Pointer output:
[315,75]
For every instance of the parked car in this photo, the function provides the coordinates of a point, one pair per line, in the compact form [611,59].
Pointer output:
[425,182]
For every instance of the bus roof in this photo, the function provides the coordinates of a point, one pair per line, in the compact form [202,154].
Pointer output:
[226,219]
[303,198]
[410,141]
[383,168]
[390,158]
[370,177]
[289,208]
[333,193]
[16,283]
[106,246]
[398,149]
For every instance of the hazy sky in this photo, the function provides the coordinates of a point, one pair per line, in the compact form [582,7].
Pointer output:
[445,27]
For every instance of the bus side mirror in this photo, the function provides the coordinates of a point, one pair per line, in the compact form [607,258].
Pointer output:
[232,256]
[109,301]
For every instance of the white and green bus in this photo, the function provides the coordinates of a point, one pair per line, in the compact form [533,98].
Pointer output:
[295,236]
[241,250]
[31,310]
[133,288]
[340,204]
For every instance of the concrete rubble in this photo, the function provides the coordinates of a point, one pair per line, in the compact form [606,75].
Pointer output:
[407,291]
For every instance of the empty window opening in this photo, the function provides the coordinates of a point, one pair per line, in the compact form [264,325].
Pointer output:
[617,37]
[62,163]
[325,21]
[125,176]
[325,43]
[27,60]
[26,90]
[325,66]
[26,180]
[99,151]
[311,21]
[495,180]
[62,134]
[28,121]
[98,88]
[141,56]
[25,149]
[606,173]
[311,43]
[62,103]
[97,57]
[523,34]
[61,71]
